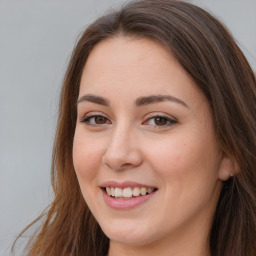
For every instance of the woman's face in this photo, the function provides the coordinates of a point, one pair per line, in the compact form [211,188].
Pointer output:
[143,126]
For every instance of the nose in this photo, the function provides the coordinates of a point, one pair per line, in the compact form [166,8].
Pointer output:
[122,151]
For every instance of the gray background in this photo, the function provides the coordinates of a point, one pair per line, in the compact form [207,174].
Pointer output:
[36,39]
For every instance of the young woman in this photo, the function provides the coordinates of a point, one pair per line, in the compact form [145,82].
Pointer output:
[155,144]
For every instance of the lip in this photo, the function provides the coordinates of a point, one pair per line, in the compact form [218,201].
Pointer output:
[124,204]
[125,184]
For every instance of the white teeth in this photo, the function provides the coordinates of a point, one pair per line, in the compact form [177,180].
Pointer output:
[118,192]
[112,191]
[150,190]
[108,190]
[128,192]
[143,191]
[136,191]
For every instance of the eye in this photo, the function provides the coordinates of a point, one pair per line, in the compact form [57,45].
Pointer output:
[95,120]
[160,121]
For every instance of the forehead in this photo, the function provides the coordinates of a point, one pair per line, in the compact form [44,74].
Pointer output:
[128,52]
[143,48]
[135,67]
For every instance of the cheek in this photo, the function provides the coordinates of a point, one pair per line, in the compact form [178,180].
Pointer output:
[86,156]
[170,155]
[183,156]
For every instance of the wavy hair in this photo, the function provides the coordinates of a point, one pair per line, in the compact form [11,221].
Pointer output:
[207,51]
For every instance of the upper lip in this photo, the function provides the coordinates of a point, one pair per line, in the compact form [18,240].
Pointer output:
[125,184]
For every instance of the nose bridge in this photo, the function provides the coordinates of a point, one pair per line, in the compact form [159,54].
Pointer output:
[122,137]
[122,149]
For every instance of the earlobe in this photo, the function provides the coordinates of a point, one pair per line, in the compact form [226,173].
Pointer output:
[228,168]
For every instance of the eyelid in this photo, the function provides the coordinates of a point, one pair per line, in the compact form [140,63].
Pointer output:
[170,119]
[160,114]
[94,114]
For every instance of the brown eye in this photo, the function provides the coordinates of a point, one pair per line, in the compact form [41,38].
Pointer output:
[100,120]
[160,121]
[95,120]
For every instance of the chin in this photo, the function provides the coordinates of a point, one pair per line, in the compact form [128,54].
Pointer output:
[129,234]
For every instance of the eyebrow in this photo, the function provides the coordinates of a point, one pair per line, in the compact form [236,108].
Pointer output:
[94,99]
[141,101]
[158,98]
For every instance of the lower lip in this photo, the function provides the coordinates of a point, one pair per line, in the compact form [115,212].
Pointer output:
[121,204]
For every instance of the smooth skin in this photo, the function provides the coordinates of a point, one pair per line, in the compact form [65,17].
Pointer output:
[169,144]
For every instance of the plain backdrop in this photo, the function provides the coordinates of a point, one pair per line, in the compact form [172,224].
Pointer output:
[36,40]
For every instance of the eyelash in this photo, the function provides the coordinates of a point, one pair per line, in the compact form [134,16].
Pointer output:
[88,118]
[168,121]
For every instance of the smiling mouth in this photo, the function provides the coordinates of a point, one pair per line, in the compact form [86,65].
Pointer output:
[128,192]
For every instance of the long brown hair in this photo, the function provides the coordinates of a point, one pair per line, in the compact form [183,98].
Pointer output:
[207,51]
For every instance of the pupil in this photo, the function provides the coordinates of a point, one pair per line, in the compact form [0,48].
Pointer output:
[160,121]
[100,120]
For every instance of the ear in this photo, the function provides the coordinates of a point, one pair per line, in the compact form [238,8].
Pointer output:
[228,167]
